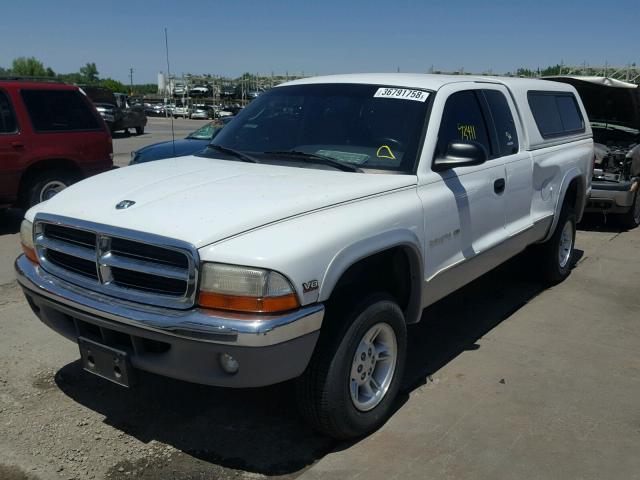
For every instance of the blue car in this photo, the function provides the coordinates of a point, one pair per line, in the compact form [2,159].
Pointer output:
[193,143]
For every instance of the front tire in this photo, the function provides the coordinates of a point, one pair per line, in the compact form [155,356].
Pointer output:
[556,254]
[140,130]
[350,385]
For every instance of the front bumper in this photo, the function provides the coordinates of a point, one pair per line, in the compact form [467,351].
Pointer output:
[611,197]
[182,344]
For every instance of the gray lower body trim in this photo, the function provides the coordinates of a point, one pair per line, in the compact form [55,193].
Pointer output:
[450,279]
[612,201]
[181,358]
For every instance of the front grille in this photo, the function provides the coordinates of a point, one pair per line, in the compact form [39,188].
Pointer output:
[146,282]
[131,265]
[74,264]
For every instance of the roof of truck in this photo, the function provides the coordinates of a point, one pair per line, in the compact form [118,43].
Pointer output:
[431,81]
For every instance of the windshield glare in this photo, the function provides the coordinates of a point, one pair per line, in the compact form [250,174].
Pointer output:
[342,121]
[206,132]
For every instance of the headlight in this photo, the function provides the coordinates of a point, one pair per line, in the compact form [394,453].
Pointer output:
[245,289]
[26,239]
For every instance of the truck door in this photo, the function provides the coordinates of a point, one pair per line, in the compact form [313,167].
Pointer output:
[464,206]
[12,150]
[507,131]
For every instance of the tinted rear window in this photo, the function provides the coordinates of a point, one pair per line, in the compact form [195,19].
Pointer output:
[59,111]
[7,119]
[556,113]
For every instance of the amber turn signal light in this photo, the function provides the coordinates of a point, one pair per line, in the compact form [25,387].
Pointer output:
[248,304]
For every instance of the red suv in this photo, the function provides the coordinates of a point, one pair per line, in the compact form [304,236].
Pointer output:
[50,137]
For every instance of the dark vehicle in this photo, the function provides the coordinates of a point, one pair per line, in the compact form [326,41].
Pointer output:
[116,111]
[228,91]
[50,137]
[614,113]
[193,143]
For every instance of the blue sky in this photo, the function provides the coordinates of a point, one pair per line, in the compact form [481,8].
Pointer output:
[231,37]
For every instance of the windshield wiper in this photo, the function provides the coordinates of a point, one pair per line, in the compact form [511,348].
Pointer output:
[234,153]
[322,159]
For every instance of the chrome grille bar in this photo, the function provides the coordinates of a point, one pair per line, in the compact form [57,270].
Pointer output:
[66,247]
[121,272]
[143,266]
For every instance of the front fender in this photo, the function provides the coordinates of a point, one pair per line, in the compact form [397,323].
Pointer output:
[365,247]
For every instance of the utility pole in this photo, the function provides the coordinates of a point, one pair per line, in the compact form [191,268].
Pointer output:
[131,81]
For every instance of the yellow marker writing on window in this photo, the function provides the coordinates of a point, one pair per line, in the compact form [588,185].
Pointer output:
[467,132]
[385,152]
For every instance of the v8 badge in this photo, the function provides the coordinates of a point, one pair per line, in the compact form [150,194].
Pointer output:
[309,286]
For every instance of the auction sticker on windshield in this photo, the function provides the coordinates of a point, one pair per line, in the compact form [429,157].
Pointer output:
[402,94]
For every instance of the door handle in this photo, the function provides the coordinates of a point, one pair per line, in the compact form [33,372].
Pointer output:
[498,186]
[17,144]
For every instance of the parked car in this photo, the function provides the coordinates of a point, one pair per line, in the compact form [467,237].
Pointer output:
[227,91]
[116,111]
[179,90]
[315,227]
[200,91]
[183,112]
[613,107]
[50,137]
[192,143]
[156,110]
[199,114]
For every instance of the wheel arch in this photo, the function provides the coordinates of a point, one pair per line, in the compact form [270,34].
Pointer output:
[64,164]
[395,257]
[572,190]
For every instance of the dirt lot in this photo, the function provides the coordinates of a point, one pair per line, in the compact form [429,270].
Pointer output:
[505,380]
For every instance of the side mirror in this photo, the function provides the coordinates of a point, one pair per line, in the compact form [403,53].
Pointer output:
[461,154]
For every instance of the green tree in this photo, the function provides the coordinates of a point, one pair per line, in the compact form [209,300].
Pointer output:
[552,70]
[28,67]
[525,72]
[113,85]
[70,78]
[89,72]
[50,72]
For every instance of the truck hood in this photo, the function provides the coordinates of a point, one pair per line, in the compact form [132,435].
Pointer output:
[204,200]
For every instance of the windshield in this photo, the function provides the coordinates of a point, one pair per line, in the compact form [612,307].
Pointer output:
[206,132]
[367,126]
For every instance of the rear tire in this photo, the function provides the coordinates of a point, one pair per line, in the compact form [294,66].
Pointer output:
[44,185]
[140,130]
[556,254]
[350,385]
[631,219]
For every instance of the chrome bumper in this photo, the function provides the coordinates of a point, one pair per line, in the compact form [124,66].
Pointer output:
[241,330]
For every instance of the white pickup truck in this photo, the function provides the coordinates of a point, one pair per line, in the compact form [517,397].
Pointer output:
[313,229]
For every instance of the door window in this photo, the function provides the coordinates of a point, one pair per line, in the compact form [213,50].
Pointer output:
[503,121]
[8,122]
[462,121]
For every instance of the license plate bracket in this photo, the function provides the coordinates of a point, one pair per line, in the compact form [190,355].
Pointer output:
[106,362]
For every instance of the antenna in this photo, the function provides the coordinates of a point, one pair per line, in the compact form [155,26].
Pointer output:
[166,47]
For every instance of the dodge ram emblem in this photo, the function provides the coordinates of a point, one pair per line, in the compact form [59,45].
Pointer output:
[124,204]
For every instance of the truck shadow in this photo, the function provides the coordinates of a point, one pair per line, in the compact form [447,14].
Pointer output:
[10,219]
[258,430]
[597,222]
